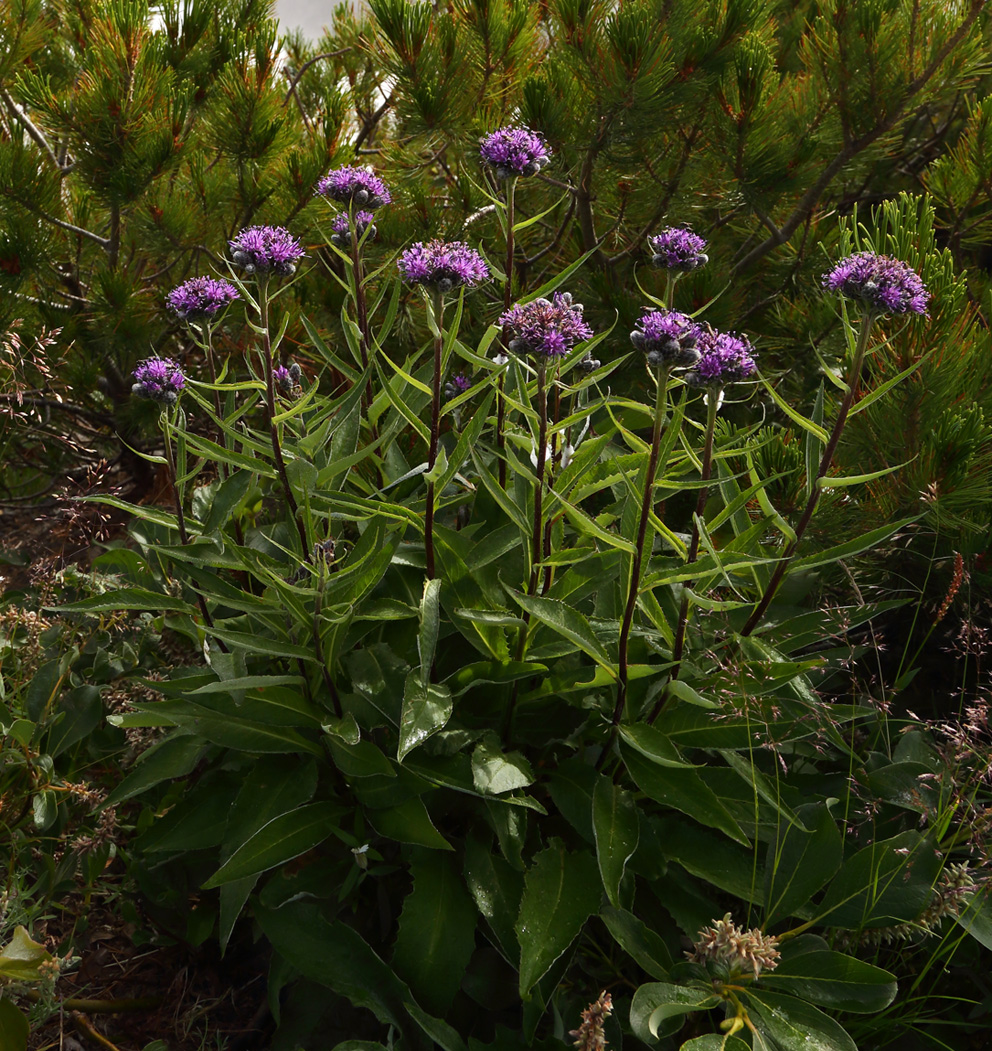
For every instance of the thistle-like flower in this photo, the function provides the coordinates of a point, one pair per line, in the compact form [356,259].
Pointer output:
[668,338]
[266,249]
[201,297]
[443,265]
[341,228]
[546,328]
[160,379]
[724,358]
[358,186]
[732,950]
[287,378]
[514,151]
[457,385]
[590,1036]
[678,248]
[883,284]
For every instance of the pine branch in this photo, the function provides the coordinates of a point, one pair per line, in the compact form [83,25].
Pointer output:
[853,147]
[33,131]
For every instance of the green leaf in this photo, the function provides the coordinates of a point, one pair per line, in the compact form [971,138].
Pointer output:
[814,445]
[851,547]
[561,891]
[976,918]
[791,1025]
[801,863]
[445,1036]
[889,882]
[653,744]
[494,773]
[807,425]
[335,955]
[615,826]
[128,598]
[638,941]
[714,1042]
[834,980]
[436,931]
[14,1027]
[659,1008]
[409,823]
[430,614]
[21,957]
[496,888]
[566,622]
[426,709]
[280,840]
[170,759]
[682,789]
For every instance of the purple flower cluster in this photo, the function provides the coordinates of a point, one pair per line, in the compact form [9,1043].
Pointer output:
[266,249]
[514,151]
[160,379]
[341,228]
[443,265]
[457,385]
[883,284]
[668,338]
[678,248]
[287,379]
[358,186]
[724,357]
[201,297]
[547,328]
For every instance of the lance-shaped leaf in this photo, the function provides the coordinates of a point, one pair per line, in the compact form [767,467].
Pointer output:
[437,931]
[789,1024]
[659,1008]
[615,826]
[561,891]
[834,980]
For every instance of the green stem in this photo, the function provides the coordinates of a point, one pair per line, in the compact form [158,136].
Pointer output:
[270,403]
[712,408]
[825,461]
[507,300]
[542,459]
[435,432]
[661,403]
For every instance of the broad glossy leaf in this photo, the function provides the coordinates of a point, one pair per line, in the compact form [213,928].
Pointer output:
[615,826]
[436,931]
[280,840]
[682,789]
[445,1036]
[792,1025]
[426,709]
[638,941]
[834,980]
[715,1042]
[430,613]
[129,598]
[494,772]
[711,856]
[659,1008]
[566,622]
[976,918]
[561,891]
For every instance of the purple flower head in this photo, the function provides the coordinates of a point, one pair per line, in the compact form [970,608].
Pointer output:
[201,297]
[266,249]
[514,151]
[668,338]
[443,265]
[457,385]
[341,227]
[160,379]
[546,328]
[724,358]
[678,248]
[883,284]
[358,186]
[287,379]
